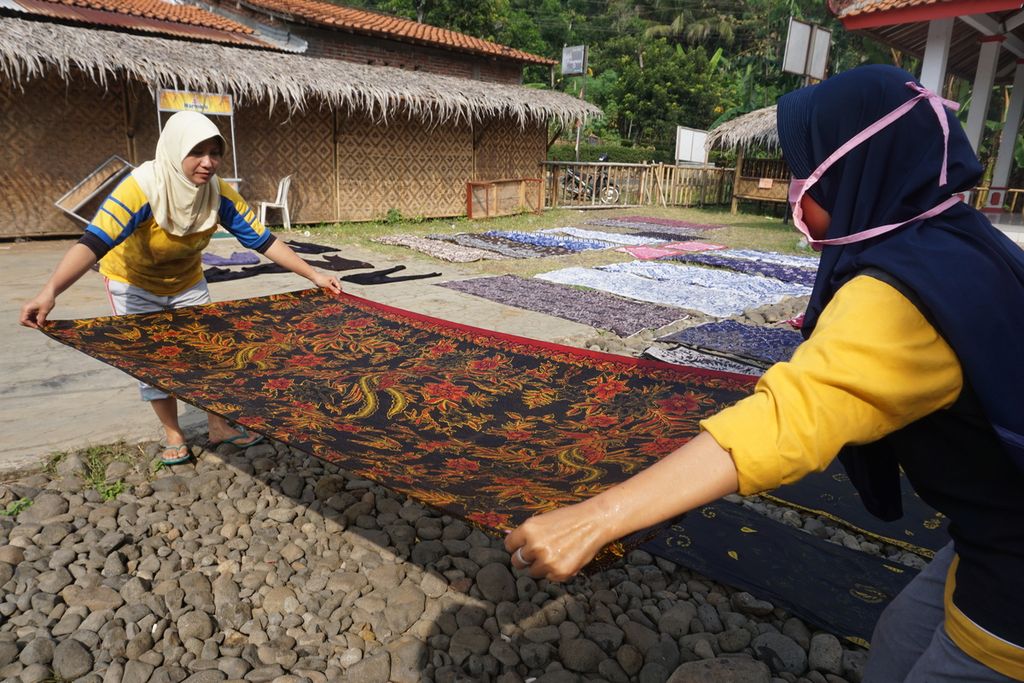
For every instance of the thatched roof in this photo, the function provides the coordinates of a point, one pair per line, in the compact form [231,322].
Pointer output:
[756,129]
[30,48]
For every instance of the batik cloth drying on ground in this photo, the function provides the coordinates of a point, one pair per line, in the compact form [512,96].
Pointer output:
[753,344]
[596,309]
[921,530]
[763,290]
[610,237]
[680,355]
[833,587]
[717,301]
[723,259]
[549,240]
[488,427]
[453,253]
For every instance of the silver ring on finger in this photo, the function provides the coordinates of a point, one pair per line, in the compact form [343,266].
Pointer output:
[518,555]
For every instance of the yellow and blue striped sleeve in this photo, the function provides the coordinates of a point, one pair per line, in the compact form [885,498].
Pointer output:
[873,365]
[117,218]
[240,220]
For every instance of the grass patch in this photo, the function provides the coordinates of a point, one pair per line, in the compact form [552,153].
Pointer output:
[740,231]
[95,460]
[16,507]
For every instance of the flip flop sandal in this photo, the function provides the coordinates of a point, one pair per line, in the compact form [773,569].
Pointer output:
[180,451]
[234,440]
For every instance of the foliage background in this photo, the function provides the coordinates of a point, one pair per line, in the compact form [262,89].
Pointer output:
[659,64]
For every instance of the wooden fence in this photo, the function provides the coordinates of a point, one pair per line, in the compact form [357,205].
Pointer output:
[607,185]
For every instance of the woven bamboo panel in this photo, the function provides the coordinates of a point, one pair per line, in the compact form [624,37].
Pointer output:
[403,165]
[505,150]
[56,133]
[273,144]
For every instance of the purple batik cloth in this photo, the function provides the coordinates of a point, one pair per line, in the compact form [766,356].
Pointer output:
[622,316]
[763,346]
[238,258]
[785,273]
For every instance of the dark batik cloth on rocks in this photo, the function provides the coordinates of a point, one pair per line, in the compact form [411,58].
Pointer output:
[762,346]
[488,427]
[921,530]
[624,317]
[803,276]
[833,587]
[680,355]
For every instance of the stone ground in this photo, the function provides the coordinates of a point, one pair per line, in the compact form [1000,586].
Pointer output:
[268,565]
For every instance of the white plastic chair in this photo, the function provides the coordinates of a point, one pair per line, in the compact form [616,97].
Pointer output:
[280,203]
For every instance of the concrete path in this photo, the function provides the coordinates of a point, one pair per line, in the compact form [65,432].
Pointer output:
[53,398]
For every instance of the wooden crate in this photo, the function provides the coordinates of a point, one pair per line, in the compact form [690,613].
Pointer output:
[505,197]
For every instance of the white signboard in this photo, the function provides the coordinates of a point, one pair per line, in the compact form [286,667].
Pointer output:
[574,60]
[690,146]
[807,48]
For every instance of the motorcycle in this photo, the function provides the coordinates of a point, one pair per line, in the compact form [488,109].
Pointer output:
[578,187]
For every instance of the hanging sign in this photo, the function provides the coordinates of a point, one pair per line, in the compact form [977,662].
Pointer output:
[202,102]
[574,60]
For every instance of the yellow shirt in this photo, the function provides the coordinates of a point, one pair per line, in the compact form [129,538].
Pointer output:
[143,254]
[873,365]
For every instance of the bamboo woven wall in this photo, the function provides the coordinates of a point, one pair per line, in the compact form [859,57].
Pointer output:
[505,150]
[345,166]
[401,165]
[55,134]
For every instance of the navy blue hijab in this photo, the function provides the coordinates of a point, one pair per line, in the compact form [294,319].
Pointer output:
[967,275]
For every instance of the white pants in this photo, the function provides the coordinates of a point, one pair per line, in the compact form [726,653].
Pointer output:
[126,299]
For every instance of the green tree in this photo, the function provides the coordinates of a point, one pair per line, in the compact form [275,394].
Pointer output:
[666,86]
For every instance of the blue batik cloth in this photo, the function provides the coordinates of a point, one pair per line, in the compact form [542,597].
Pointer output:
[763,346]
[548,240]
[763,289]
[722,301]
[778,271]
[613,237]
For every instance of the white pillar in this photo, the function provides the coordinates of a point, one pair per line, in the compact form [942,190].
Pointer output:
[936,53]
[981,92]
[1004,160]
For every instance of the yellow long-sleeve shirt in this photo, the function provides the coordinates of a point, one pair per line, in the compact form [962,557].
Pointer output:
[133,249]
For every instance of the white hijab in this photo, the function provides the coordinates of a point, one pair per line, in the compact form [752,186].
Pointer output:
[180,206]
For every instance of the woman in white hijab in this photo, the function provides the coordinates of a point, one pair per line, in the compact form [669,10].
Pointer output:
[149,236]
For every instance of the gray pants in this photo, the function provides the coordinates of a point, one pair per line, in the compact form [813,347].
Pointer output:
[910,644]
[126,299]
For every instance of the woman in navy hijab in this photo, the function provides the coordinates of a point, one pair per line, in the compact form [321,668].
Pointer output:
[913,360]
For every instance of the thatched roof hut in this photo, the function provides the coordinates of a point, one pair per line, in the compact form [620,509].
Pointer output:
[360,140]
[754,130]
[29,48]
[758,179]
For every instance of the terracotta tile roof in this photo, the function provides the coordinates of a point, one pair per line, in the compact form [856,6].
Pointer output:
[394,28]
[160,10]
[848,8]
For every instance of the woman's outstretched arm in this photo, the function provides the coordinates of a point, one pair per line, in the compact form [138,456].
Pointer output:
[558,544]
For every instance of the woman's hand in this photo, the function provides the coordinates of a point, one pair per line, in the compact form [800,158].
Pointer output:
[33,314]
[557,544]
[326,281]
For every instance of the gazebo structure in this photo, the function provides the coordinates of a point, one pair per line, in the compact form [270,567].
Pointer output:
[981,40]
[369,114]
[756,179]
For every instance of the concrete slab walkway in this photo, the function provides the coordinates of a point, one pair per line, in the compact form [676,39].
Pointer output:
[54,398]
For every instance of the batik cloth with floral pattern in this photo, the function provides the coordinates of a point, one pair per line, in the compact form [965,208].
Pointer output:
[489,427]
